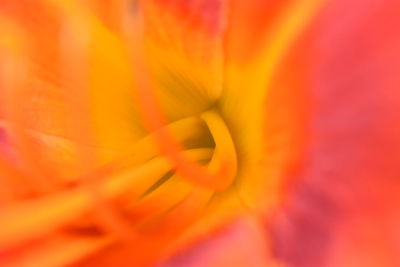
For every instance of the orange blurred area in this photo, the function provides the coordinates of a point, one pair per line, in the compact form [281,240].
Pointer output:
[199,133]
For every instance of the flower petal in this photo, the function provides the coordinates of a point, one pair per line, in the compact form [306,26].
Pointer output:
[249,86]
[185,53]
[344,210]
[238,243]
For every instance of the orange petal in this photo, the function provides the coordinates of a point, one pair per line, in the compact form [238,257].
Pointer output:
[250,22]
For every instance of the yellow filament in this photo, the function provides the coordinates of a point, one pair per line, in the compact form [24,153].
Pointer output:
[183,130]
[138,153]
[177,189]
[59,251]
[17,223]
[224,153]
[148,174]
[173,191]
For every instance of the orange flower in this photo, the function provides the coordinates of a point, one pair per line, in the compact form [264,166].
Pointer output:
[177,133]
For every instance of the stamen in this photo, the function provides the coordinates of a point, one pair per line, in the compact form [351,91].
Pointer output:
[183,197]
[145,149]
[224,160]
[161,199]
[52,212]
[161,235]
[176,190]
[57,251]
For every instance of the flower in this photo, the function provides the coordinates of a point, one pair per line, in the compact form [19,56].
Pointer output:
[174,132]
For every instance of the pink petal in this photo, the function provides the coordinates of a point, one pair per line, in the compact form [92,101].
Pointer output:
[344,209]
[240,243]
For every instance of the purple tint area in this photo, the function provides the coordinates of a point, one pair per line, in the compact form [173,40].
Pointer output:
[353,161]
